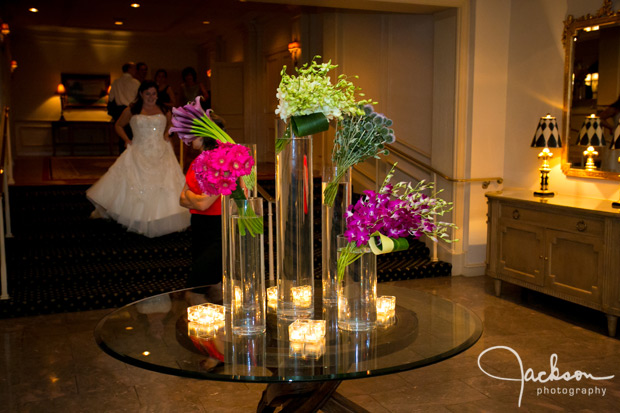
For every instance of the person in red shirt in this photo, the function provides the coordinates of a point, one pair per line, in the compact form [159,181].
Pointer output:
[206,223]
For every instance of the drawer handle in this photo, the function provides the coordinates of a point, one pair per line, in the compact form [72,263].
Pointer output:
[515,214]
[581,226]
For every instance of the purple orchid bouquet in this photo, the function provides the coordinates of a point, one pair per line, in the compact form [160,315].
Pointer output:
[218,170]
[382,220]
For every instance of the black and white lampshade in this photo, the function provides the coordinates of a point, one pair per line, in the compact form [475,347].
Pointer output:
[615,143]
[547,134]
[591,133]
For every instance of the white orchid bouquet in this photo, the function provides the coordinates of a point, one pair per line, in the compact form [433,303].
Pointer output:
[308,101]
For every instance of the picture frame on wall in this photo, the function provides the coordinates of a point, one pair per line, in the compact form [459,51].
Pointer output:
[86,91]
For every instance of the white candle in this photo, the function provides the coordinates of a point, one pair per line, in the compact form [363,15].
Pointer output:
[272,294]
[308,331]
[386,309]
[206,313]
[302,296]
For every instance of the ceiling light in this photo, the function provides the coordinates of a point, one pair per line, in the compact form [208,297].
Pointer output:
[206,22]
[135,5]
[33,10]
[119,22]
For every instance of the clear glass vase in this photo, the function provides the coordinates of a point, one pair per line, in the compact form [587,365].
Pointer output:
[294,229]
[333,224]
[226,289]
[357,291]
[247,277]
[249,355]
[358,350]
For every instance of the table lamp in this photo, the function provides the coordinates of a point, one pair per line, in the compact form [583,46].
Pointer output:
[546,136]
[60,90]
[591,135]
[615,141]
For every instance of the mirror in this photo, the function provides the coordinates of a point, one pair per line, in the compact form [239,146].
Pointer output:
[591,86]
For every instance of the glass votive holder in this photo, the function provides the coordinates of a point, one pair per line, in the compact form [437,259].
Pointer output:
[206,313]
[272,296]
[386,309]
[307,331]
[203,330]
[302,296]
[299,349]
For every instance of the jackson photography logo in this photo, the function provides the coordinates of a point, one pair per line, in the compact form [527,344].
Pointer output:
[547,378]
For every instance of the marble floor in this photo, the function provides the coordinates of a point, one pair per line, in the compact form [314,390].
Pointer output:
[52,364]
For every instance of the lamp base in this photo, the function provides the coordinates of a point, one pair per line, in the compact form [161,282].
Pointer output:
[544,193]
[615,204]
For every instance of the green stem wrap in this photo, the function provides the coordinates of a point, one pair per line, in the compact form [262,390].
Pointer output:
[303,125]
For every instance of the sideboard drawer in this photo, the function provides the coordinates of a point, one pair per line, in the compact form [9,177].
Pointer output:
[563,222]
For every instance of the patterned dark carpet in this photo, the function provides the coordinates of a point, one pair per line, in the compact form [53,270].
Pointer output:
[60,260]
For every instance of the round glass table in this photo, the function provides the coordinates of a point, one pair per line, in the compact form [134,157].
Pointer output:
[154,334]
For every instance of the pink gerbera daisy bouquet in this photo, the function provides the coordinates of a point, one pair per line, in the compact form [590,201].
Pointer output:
[382,220]
[217,170]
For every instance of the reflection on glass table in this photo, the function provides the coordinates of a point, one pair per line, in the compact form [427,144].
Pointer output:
[155,334]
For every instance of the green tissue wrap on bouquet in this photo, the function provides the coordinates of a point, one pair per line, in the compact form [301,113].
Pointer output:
[387,244]
[309,124]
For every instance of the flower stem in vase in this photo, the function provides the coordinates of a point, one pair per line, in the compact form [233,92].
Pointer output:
[337,187]
[253,224]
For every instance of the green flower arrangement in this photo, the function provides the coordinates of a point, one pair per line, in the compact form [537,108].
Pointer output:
[310,100]
[358,137]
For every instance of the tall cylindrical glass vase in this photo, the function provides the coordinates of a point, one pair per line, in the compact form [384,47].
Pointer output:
[295,248]
[226,289]
[357,291]
[246,272]
[333,224]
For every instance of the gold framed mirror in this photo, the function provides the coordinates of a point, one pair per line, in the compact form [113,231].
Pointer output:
[592,95]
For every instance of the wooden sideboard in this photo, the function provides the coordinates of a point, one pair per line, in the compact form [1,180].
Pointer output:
[95,136]
[567,247]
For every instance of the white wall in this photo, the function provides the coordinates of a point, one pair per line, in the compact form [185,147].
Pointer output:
[392,55]
[536,89]
[485,148]
[517,77]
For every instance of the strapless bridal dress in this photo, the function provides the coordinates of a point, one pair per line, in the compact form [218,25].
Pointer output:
[141,189]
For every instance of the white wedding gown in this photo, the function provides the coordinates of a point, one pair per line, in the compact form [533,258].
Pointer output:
[141,189]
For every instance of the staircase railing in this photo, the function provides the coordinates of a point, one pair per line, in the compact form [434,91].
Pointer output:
[5,212]
[270,202]
[434,175]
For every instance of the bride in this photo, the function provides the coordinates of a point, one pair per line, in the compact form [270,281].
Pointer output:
[141,189]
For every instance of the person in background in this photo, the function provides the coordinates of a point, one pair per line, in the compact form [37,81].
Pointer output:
[206,222]
[123,92]
[190,88]
[142,71]
[164,90]
[141,189]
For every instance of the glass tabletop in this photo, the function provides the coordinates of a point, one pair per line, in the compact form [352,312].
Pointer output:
[153,334]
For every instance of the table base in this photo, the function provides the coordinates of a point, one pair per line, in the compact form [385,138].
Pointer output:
[306,398]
